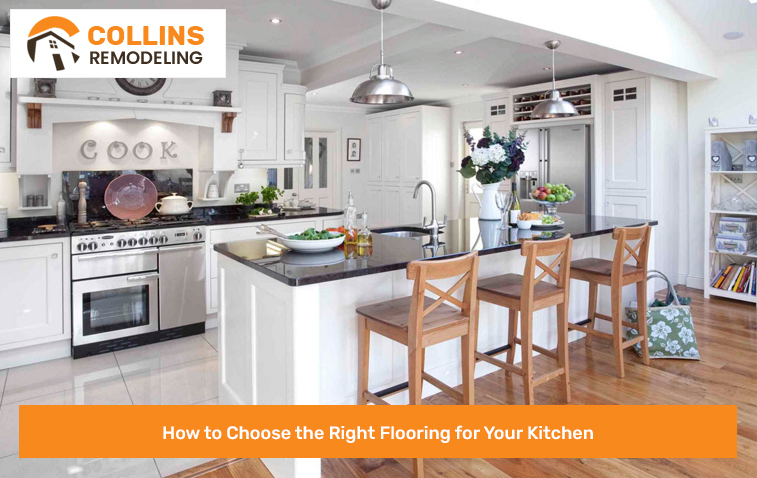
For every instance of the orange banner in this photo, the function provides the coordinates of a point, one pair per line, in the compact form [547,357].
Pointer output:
[589,431]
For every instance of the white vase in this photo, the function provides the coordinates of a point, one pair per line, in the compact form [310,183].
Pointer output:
[489,210]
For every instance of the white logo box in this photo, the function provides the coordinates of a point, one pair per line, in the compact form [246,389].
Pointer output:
[60,54]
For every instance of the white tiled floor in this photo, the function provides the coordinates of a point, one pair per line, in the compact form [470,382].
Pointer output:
[182,371]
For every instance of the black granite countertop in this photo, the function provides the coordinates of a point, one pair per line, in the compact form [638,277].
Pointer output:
[20,229]
[393,253]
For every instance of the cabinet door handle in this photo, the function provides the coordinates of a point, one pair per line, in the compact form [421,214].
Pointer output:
[55,256]
[289,151]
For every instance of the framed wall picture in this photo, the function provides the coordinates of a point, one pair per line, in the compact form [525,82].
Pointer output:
[353,149]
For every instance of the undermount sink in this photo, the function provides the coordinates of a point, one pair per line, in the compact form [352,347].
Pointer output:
[406,233]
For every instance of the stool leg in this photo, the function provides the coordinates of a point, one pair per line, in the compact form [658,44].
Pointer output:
[415,378]
[418,468]
[363,353]
[526,349]
[641,299]
[512,330]
[469,366]
[593,286]
[617,329]
[562,348]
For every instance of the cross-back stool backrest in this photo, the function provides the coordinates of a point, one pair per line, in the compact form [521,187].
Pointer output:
[625,251]
[423,271]
[558,269]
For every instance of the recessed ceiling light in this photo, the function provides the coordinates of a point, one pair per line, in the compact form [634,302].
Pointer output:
[275,21]
[547,68]
[466,84]
[460,52]
[733,35]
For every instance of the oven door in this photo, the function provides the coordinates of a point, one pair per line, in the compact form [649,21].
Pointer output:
[115,307]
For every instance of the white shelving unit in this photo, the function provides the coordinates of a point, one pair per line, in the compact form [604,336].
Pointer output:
[718,186]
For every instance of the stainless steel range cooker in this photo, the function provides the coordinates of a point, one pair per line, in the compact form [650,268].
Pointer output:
[136,282]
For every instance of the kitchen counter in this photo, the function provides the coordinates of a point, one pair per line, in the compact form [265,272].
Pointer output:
[393,253]
[288,329]
[20,229]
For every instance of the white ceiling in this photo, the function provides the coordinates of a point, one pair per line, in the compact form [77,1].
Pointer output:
[714,18]
[486,66]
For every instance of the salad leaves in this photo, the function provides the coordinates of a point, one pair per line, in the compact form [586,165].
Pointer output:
[313,235]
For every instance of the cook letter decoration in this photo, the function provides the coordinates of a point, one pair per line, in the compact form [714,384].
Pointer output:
[117,145]
[167,150]
[89,144]
[140,146]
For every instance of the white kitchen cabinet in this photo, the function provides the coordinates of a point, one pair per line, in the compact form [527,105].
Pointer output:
[410,164]
[391,204]
[411,208]
[257,124]
[374,207]
[32,294]
[391,147]
[626,206]
[414,145]
[626,135]
[5,102]
[375,155]
[497,116]
[294,122]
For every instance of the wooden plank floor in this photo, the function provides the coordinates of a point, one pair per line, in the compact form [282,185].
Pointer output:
[727,374]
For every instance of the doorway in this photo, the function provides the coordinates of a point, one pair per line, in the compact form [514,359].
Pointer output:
[316,180]
[476,130]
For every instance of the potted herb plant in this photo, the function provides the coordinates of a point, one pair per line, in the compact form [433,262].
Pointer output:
[248,200]
[269,195]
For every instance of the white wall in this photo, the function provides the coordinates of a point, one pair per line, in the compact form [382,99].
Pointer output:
[349,124]
[460,113]
[731,100]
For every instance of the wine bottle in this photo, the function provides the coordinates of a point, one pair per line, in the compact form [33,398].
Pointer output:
[515,209]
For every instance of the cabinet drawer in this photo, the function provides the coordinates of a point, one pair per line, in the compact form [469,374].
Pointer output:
[248,233]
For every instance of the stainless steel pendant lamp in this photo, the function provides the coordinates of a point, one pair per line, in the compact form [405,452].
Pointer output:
[554,107]
[381,88]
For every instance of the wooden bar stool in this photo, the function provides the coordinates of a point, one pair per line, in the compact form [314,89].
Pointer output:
[617,274]
[526,294]
[419,322]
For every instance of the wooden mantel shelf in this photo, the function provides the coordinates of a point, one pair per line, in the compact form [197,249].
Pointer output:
[34,108]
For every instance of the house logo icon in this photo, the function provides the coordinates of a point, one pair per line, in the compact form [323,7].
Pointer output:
[43,39]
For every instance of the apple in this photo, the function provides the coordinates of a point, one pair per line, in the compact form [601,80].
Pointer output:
[551,197]
[543,196]
[548,191]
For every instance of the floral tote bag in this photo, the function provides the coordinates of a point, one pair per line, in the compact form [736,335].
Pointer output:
[670,329]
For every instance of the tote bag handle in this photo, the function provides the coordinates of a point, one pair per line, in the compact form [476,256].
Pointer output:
[653,274]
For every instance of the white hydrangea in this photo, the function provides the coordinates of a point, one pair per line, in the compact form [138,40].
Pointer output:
[496,153]
[480,156]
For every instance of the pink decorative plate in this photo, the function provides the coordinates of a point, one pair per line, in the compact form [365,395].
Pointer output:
[131,196]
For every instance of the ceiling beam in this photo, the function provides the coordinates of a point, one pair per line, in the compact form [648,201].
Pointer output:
[643,35]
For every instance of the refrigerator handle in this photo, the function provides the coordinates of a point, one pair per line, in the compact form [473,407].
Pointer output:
[545,142]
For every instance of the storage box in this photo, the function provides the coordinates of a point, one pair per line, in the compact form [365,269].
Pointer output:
[737,227]
[736,245]
[720,157]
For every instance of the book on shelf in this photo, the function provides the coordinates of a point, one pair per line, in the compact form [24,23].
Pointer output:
[722,276]
[741,279]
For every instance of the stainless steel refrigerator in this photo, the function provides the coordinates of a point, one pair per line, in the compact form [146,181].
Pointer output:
[557,154]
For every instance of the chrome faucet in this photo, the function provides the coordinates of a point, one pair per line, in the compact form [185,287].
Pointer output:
[433,227]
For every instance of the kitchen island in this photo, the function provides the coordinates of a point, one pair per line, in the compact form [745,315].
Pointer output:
[287,323]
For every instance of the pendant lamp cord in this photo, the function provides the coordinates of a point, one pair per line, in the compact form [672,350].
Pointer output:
[553,70]
[382,36]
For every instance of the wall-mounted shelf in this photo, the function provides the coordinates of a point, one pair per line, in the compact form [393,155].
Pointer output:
[35,105]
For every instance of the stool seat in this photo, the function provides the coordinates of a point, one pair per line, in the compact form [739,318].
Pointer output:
[511,285]
[601,267]
[395,313]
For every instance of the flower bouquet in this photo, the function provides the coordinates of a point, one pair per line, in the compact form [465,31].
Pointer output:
[494,158]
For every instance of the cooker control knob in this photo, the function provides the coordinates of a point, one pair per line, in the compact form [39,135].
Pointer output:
[92,246]
[142,241]
[197,236]
[153,240]
[81,247]
[132,242]
[163,239]
[121,243]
